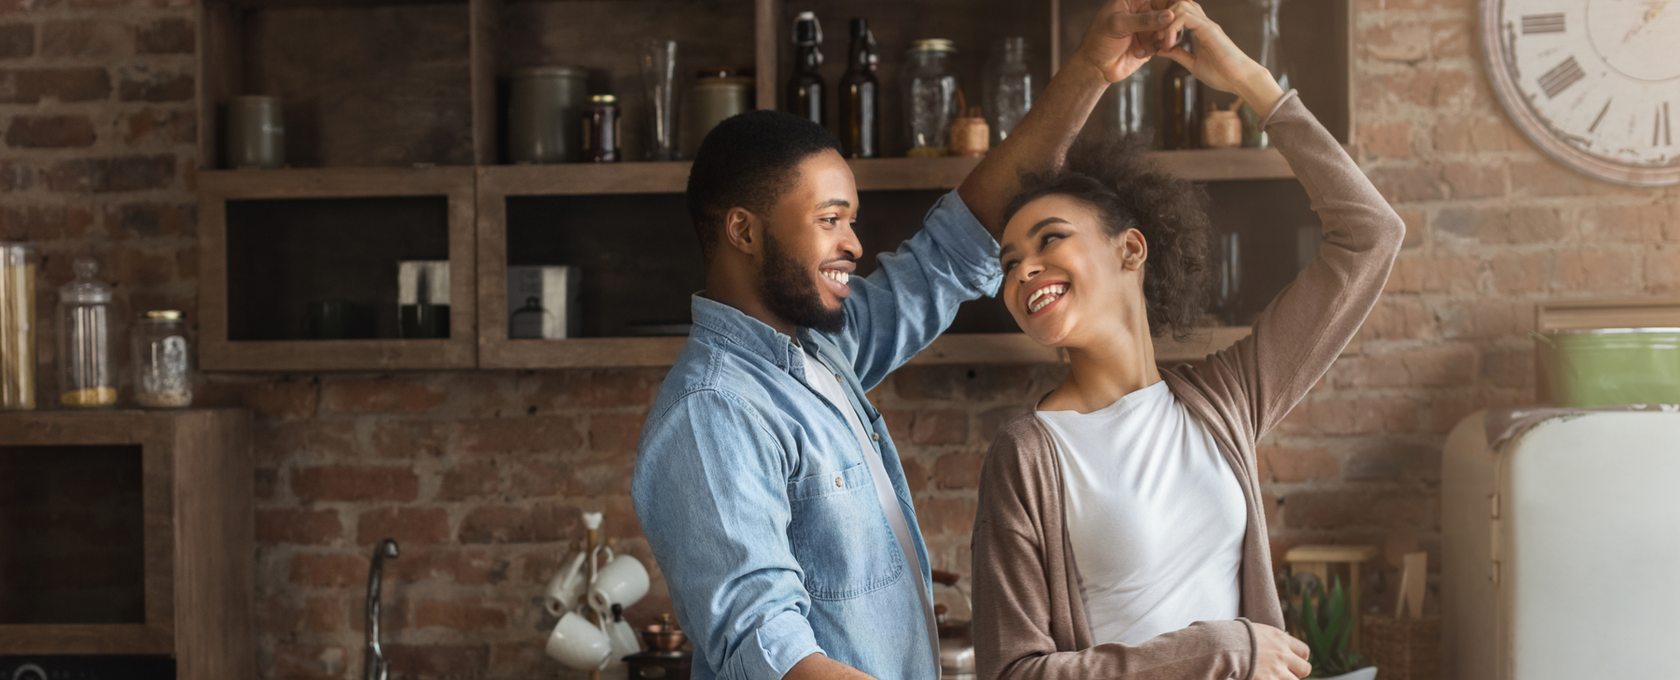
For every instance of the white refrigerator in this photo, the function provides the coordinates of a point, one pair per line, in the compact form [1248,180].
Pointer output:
[1561,549]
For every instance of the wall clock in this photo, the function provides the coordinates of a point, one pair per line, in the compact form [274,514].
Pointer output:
[1594,83]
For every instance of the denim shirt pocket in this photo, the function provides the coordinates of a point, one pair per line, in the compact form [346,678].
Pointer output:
[840,536]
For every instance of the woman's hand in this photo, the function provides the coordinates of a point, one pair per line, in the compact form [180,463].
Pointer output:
[1122,38]
[1278,656]
[1217,62]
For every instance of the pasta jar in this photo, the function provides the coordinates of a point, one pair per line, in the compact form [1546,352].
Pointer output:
[84,334]
[930,96]
[601,127]
[162,361]
[17,326]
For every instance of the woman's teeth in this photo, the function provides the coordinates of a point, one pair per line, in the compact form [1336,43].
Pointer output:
[841,277]
[1042,297]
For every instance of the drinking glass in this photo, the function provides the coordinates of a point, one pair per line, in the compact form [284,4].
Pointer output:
[659,80]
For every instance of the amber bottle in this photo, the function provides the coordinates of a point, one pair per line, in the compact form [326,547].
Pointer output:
[860,98]
[1181,112]
[805,87]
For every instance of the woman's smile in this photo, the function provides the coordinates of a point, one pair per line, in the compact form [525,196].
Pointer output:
[1042,297]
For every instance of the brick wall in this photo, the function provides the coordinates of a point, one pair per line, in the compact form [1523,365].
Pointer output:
[481,475]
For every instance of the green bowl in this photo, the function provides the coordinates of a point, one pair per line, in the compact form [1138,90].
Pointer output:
[1612,366]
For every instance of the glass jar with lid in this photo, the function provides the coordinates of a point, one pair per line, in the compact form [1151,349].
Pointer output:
[930,95]
[162,361]
[1009,87]
[84,334]
[17,326]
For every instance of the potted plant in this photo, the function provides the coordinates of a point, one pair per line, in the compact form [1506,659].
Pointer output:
[1322,620]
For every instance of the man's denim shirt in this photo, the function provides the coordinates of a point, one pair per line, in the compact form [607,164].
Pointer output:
[752,490]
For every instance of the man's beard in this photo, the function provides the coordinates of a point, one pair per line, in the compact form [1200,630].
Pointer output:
[788,291]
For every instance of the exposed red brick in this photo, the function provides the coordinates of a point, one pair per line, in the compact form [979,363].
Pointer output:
[1291,464]
[49,132]
[145,220]
[458,616]
[86,38]
[1521,272]
[354,483]
[156,87]
[1395,41]
[939,427]
[1397,318]
[452,564]
[945,516]
[308,661]
[384,395]
[1393,140]
[1436,366]
[1597,269]
[305,527]
[406,525]
[17,41]
[1662,268]
[439,660]
[601,475]
[1333,509]
[1434,275]
[411,439]
[1407,184]
[1636,223]
[469,480]
[504,524]
[1493,318]
[31,85]
[1450,39]
[958,470]
[916,475]
[283,399]
[125,173]
[43,223]
[328,570]
[1474,180]
[165,36]
[521,434]
[615,432]
[170,127]
[925,382]
[550,391]
[1351,416]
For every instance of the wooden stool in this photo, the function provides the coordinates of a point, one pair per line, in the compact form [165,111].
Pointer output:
[1317,560]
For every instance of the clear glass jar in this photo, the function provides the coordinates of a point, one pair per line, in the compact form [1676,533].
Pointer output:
[17,326]
[84,335]
[162,361]
[1127,103]
[930,95]
[1271,57]
[1009,87]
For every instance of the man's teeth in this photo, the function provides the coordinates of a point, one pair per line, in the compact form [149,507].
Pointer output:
[842,277]
[1042,297]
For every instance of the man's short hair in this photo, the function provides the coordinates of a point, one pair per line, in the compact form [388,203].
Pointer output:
[748,161]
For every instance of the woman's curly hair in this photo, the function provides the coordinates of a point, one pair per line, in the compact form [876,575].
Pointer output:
[1112,175]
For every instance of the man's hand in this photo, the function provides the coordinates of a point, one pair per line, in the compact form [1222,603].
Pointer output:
[1278,655]
[1122,38]
[820,667]
[1217,62]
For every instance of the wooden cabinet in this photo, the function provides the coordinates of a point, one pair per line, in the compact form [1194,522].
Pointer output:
[166,549]
[416,93]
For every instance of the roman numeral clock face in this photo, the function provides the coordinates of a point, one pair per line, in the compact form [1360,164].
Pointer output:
[1595,83]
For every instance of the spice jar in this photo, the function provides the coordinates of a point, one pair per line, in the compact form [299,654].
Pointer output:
[930,92]
[720,92]
[84,334]
[256,133]
[1222,129]
[162,361]
[17,326]
[969,134]
[601,127]
[545,105]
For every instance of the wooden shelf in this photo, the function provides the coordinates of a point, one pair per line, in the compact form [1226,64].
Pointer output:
[873,174]
[974,348]
[220,351]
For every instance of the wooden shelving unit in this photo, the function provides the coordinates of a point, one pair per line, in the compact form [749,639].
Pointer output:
[194,497]
[221,348]
[470,45]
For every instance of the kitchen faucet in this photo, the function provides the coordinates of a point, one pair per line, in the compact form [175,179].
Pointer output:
[375,666]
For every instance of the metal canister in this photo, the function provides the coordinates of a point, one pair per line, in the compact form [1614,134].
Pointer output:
[545,105]
[256,133]
[720,92]
[601,128]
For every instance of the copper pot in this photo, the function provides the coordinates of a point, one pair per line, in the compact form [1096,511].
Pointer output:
[664,636]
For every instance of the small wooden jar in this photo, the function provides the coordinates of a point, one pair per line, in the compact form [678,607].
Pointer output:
[1221,129]
[970,136]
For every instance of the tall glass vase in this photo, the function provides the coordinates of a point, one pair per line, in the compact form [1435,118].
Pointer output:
[659,81]
[1271,57]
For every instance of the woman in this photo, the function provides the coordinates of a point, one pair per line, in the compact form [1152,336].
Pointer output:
[1120,532]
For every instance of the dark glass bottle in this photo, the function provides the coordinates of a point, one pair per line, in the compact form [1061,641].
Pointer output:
[805,87]
[860,98]
[1181,113]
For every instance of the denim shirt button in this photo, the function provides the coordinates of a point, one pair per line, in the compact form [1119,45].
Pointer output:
[839,481]
[876,436]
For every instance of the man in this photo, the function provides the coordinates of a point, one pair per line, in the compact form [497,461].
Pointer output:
[766,484]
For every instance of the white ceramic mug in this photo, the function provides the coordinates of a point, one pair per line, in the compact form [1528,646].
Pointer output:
[622,637]
[622,581]
[578,643]
[565,588]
